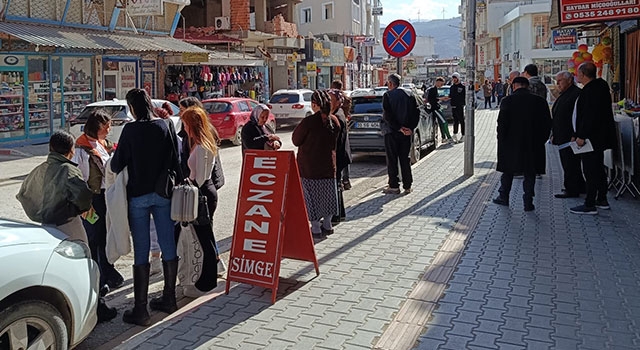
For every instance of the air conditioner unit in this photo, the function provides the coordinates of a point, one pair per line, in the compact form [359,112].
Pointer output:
[222,23]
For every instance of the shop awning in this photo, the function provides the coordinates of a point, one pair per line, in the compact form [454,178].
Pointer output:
[71,38]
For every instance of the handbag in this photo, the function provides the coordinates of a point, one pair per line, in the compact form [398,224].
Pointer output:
[184,203]
[203,218]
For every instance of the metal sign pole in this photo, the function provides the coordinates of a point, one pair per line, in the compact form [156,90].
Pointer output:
[399,66]
[470,139]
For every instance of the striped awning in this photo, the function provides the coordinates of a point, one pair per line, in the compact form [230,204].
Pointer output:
[71,38]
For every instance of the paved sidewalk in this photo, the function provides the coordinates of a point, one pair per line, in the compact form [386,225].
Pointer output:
[523,280]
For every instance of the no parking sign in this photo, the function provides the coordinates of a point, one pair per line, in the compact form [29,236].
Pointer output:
[399,38]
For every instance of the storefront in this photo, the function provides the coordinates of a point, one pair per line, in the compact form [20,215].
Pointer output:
[47,79]
[215,75]
[323,63]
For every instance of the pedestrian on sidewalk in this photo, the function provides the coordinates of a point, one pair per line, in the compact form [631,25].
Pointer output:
[256,134]
[316,137]
[143,148]
[346,108]
[593,121]
[203,150]
[457,95]
[536,85]
[400,117]
[562,134]
[55,194]
[499,91]
[434,108]
[512,75]
[343,151]
[487,93]
[524,123]
[92,152]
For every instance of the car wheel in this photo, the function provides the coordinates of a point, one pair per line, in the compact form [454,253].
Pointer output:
[415,153]
[237,139]
[32,324]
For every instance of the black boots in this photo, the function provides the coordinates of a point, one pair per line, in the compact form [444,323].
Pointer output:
[167,302]
[139,314]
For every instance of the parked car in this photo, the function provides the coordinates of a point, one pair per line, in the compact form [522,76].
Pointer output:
[230,114]
[48,288]
[291,103]
[362,92]
[380,90]
[365,134]
[120,115]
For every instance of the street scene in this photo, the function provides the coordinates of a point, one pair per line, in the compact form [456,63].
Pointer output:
[297,174]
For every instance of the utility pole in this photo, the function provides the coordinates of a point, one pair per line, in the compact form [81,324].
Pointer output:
[470,139]
[443,13]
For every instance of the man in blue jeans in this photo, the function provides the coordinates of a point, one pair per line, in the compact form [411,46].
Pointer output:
[400,117]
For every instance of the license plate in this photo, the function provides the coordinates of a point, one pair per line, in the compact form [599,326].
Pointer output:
[281,115]
[367,125]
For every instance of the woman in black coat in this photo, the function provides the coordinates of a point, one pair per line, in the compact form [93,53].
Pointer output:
[256,135]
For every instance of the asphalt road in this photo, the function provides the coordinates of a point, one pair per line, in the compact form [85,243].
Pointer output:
[367,174]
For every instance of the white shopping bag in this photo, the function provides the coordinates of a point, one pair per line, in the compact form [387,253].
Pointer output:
[190,253]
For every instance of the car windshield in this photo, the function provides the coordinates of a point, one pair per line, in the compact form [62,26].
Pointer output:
[116,112]
[368,104]
[285,98]
[217,107]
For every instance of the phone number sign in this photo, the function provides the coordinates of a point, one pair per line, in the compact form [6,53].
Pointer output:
[588,11]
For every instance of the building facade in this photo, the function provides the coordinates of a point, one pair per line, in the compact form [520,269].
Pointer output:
[59,55]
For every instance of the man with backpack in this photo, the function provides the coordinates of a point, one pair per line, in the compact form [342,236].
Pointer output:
[400,117]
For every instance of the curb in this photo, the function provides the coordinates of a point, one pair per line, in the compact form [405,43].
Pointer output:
[13,152]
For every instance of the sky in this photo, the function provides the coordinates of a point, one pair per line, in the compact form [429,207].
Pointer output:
[408,10]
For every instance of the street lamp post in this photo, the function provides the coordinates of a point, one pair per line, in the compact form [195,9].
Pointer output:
[469,144]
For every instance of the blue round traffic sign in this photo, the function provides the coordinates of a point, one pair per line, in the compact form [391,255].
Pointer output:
[399,38]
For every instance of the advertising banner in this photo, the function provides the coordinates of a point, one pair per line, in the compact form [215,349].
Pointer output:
[145,7]
[271,220]
[588,11]
[564,39]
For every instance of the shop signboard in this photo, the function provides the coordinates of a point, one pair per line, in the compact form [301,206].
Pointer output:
[588,11]
[12,61]
[271,220]
[564,39]
[377,60]
[376,11]
[127,75]
[195,57]
[145,7]
[369,41]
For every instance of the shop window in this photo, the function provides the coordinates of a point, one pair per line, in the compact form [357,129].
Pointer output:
[305,15]
[327,10]
[355,9]
[541,31]
[76,82]
[39,96]
[12,122]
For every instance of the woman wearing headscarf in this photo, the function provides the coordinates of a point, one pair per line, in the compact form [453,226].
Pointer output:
[343,149]
[256,134]
[316,136]
[143,149]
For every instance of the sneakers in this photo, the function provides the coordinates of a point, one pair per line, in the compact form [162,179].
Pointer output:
[501,201]
[581,209]
[408,190]
[192,292]
[346,185]
[391,190]
[222,268]
[603,204]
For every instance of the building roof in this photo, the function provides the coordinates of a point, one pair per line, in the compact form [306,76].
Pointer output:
[72,38]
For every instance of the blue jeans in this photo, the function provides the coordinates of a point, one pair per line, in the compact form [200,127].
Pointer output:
[140,209]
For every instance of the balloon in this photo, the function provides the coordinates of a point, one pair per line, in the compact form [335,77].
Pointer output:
[572,70]
[571,64]
[587,56]
[606,41]
[575,54]
[579,61]
[597,52]
[583,48]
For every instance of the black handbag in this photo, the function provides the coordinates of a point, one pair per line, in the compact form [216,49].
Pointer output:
[203,212]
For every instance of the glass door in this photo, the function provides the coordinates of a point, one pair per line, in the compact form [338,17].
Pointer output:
[12,104]
[111,85]
[39,112]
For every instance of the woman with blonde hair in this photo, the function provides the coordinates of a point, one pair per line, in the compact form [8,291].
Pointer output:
[201,158]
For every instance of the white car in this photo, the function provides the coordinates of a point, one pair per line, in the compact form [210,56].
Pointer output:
[362,92]
[380,90]
[291,103]
[120,115]
[48,288]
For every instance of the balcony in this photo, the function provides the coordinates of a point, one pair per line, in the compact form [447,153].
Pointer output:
[280,27]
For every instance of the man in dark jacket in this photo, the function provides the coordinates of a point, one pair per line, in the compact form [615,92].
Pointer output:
[536,85]
[593,121]
[431,97]
[524,123]
[400,117]
[457,95]
[563,131]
